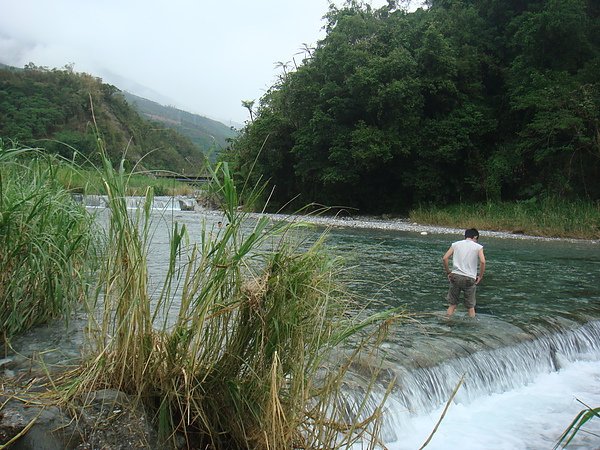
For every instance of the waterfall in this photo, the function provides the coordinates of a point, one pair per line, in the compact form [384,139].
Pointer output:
[162,203]
[495,371]
[421,390]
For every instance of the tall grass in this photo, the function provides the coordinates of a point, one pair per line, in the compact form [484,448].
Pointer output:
[241,348]
[576,426]
[46,251]
[550,217]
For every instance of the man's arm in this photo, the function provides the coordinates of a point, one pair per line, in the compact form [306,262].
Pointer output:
[481,266]
[446,258]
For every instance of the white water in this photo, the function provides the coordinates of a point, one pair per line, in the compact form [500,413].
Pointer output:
[530,417]
[513,398]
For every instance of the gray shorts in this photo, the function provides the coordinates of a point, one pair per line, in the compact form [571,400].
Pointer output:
[461,283]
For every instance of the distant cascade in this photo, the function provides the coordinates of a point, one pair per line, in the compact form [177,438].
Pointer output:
[422,390]
[135,202]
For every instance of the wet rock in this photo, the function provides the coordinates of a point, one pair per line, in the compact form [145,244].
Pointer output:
[187,204]
[77,197]
[43,427]
[95,201]
[5,368]
[106,419]
[5,361]
[208,201]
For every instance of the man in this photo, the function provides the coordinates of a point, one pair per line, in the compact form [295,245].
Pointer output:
[466,256]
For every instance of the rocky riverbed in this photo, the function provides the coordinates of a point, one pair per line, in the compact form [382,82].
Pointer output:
[402,224]
[33,416]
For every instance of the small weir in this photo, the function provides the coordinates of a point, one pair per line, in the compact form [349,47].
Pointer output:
[533,351]
[496,370]
[160,203]
[421,390]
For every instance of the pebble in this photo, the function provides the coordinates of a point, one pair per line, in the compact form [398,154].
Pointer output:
[378,223]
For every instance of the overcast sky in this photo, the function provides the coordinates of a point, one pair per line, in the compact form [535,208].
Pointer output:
[202,56]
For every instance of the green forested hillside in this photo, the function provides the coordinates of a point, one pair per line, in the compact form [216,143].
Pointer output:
[466,100]
[210,135]
[59,110]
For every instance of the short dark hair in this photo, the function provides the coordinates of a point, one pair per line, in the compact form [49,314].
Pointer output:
[471,233]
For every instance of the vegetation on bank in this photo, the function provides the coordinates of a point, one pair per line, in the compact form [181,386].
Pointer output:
[47,244]
[548,217]
[89,181]
[462,102]
[59,110]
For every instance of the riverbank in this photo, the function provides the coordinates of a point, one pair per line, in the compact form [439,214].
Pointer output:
[404,224]
[550,217]
[384,223]
[545,216]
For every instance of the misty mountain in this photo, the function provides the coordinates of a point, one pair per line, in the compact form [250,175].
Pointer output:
[69,114]
[209,135]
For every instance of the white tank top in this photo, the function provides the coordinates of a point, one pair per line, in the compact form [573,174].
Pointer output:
[465,259]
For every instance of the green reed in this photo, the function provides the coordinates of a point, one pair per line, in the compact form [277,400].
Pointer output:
[241,346]
[575,427]
[550,217]
[46,251]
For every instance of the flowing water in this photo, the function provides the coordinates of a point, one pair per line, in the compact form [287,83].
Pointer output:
[532,352]
[526,362]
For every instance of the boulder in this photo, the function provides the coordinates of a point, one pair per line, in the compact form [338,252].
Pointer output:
[104,419]
[187,204]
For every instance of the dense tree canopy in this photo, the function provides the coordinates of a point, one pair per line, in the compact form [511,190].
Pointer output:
[464,100]
[62,111]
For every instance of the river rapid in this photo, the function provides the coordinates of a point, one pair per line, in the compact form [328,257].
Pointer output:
[526,364]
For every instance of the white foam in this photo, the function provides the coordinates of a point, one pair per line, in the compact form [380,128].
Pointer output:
[531,417]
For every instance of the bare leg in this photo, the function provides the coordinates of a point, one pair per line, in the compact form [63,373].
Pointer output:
[451,310]
[471,312]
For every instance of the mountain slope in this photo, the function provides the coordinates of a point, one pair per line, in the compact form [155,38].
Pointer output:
[63,111]
[209,135]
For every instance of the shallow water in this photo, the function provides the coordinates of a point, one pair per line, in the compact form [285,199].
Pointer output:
[533,349]
[537,328]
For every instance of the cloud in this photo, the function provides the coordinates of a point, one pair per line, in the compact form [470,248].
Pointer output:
[206,56]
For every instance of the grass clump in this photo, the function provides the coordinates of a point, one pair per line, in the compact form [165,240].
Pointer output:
[46,244]
[549,217]
[240,349]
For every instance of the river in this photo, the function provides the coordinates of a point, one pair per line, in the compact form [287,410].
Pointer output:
[532,354]
[527,361]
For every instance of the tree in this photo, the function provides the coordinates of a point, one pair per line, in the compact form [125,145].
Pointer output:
[249,104]
[467,100]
